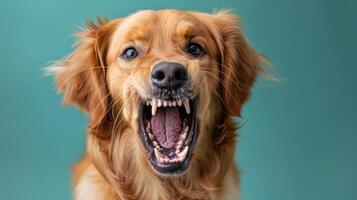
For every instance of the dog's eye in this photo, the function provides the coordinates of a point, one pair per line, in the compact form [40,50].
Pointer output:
[130,53]
[195,49]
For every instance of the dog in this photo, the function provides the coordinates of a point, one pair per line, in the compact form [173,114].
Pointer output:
[161,89]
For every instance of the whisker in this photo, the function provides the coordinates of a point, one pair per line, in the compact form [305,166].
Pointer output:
[235,82]
[215,91]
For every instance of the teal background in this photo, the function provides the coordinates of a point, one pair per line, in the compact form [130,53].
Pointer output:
[299,136]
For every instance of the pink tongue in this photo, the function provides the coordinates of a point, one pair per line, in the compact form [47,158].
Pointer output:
[166,126]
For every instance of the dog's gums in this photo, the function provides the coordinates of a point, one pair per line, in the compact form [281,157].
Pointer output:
[168,130]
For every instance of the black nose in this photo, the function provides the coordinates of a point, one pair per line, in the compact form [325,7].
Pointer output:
[169,75]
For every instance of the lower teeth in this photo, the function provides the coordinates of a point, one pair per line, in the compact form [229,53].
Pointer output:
[179,156]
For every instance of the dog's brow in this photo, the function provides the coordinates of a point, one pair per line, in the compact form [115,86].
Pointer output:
[184,29]
[138,34]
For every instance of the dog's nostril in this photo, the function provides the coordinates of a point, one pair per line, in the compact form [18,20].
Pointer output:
[180,74]
[169,75]
[159,75]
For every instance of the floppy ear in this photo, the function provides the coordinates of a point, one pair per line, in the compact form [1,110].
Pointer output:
[239,63]
[81,76]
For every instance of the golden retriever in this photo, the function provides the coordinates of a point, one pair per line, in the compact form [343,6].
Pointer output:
[161,89]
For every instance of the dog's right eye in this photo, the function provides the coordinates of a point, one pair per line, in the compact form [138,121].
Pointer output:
[130,53]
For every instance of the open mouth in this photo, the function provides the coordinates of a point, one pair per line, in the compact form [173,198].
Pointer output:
[168,129]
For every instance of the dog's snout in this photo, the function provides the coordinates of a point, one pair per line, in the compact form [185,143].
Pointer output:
[169,75]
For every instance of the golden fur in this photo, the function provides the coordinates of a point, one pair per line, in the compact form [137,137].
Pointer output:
[96,80]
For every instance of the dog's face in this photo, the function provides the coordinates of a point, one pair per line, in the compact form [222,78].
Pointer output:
[170,77]
[164,64]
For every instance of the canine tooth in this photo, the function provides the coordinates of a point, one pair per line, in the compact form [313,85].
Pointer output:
[157,153]
[186,103]
[154,107]
[183,153]
[159,103]
[179,103]
[165,103]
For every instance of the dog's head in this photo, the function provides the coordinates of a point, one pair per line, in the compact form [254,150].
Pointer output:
[169,77]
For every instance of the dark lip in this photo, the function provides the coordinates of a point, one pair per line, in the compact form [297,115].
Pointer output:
[171,169]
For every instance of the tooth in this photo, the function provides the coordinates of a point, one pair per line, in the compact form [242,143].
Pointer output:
[174,103]
[184,135]
[183,152]
[186,103]
[157,153]
[170,104]
[179,144]
[179,103]
[184,123]
[154,107]
[186,129]
[151,136]
[177,151]
[165,103]
[159,103]
[155,144]
[147,103]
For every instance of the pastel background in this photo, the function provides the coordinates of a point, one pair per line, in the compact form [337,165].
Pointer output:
[299,136]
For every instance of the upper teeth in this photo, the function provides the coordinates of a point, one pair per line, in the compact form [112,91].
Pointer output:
[186,104]
[155,103]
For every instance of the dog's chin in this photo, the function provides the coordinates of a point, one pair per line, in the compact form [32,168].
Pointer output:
[168,130]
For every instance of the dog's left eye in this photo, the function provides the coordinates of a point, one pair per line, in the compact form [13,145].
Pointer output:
[130,53]
[195,49]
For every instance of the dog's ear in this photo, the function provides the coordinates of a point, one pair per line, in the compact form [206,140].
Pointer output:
[239,63]
[81,75]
